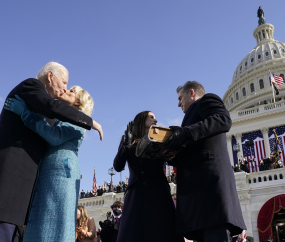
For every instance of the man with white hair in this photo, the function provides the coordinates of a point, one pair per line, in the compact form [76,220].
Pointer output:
[21,149]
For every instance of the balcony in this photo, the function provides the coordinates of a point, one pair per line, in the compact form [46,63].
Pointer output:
[260,180]
[258,110]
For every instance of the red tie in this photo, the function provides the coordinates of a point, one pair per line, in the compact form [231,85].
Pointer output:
[116,219]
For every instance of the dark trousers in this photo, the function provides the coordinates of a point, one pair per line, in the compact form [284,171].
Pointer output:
[7,232]
[212,234]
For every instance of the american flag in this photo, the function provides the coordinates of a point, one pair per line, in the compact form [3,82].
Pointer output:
[280,131]
[94,182]
[256,152]
[277,80]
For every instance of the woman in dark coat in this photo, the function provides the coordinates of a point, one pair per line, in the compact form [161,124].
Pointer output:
[149,212]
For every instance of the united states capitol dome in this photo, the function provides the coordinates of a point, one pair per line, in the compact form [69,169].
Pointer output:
[250,85]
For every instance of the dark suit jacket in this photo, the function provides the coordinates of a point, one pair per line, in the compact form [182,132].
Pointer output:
[21,149]
[109,233]
[206,189]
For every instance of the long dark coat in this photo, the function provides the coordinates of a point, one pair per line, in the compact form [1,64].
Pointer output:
[206,189]
[148,212]
[21,149]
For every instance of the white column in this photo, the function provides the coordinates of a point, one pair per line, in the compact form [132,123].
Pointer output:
[230,148]
[238,139]
[264,132]
[257,38]
[266,34]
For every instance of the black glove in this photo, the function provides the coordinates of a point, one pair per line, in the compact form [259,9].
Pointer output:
[127,141]
[177,138]
[128,137]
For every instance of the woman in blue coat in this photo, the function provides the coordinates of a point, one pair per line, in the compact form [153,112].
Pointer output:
[149,212]
[53,208]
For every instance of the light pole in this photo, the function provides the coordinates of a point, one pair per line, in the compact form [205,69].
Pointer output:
[111,172]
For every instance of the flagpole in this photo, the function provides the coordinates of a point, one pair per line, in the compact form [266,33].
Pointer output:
[272,87]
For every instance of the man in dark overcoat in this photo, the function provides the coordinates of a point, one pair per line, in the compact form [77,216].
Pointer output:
[21,149]
[207,207]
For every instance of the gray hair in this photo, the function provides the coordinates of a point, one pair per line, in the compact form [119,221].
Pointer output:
[55,67]
[196,86]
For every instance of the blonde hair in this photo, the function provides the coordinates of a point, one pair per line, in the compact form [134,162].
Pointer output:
[86,101]
[83,218]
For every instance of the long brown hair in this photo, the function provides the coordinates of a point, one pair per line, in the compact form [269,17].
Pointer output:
[83,218]
[139,124]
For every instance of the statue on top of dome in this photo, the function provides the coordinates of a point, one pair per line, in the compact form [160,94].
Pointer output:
[260,15]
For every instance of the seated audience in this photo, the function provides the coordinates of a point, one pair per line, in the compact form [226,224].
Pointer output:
[85,226]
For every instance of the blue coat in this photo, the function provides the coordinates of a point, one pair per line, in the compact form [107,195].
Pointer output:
[53,207]
[206,189]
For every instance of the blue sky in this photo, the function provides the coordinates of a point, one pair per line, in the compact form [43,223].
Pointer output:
[130,55]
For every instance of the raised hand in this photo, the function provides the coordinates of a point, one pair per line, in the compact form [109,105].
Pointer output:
[129,136]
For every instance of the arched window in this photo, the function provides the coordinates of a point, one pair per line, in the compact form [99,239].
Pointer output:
[252,60]
[275,52]
[266,53]
[244,92]
[270,178]
[240,68]
[252,87]
[261,84]
[237,97]
[259,179]
[264,178]
[245,64]
[232,100]
[254,180]
[259,56]
[281,176]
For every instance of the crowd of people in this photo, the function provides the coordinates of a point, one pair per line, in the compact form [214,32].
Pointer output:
[268,163]
[121,187]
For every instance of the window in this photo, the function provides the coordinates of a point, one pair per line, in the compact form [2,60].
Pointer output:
[259,56]
[266,53]
[261,84]
[244,92]
[232,100]
[275,52]
[252,87]
[252,60]
[240,68]
[237,97]
[245,64]
[283,50]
